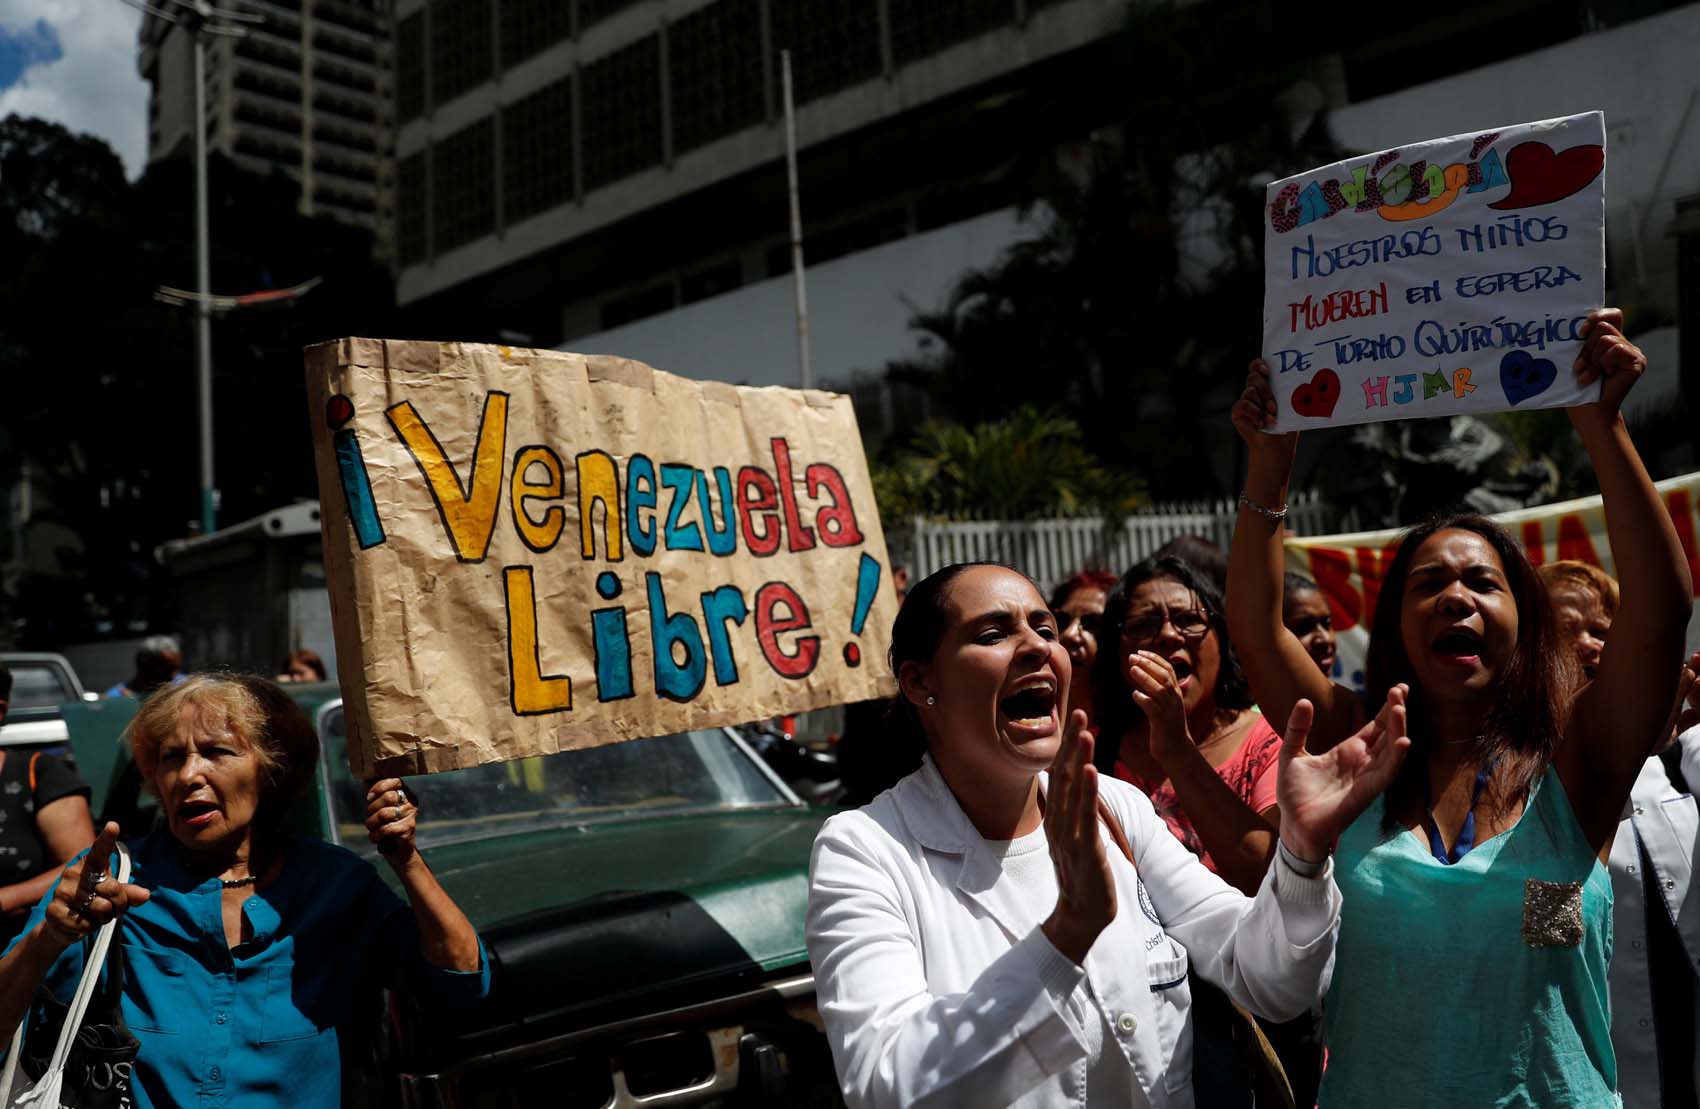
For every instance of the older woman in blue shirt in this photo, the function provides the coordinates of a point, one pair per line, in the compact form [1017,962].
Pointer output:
[244,945]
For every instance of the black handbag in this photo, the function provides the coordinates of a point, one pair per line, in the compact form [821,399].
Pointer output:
[92,1069]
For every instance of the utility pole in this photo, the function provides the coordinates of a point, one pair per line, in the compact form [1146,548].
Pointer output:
[199,18]
[796,222]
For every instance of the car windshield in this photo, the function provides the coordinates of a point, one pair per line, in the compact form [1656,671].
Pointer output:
[687,772]
[38,686]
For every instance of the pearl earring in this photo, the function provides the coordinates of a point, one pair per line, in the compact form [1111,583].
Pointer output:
[932,701]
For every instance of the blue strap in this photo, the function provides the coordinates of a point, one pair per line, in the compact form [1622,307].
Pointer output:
[1467,834]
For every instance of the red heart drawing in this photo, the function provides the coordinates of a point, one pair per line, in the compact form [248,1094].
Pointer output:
[1318,396]
[1538,176]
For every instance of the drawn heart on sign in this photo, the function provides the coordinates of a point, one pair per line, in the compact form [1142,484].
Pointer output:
[1318,396]
[1522,376]
[1538,176]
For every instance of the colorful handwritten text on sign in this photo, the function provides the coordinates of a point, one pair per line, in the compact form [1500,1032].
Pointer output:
[531,551]
[1445,277]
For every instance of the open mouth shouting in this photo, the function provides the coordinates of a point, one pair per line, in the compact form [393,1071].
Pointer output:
[1031,707]
[1459,645]
[1182,666]
[197,812]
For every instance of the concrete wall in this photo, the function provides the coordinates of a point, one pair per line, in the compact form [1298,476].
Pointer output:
[1645,76]
[859,312]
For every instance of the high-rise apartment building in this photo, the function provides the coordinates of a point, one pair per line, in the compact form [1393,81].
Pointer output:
[305,91]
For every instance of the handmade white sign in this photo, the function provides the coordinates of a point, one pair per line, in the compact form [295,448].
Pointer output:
[1446,277]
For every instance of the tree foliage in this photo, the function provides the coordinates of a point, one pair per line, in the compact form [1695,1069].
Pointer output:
[1028,465]
[1137,302]
[100,406]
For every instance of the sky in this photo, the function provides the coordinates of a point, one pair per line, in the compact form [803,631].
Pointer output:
[74,62]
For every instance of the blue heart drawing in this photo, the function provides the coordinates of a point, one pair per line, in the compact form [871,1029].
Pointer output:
[1523,377]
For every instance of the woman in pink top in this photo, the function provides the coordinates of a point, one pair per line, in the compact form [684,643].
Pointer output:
[1174,717]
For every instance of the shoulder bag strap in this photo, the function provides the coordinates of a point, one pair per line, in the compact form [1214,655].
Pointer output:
[90,979]
[1111,823]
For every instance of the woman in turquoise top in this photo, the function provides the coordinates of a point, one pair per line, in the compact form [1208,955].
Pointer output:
[245,948]
[1476,924]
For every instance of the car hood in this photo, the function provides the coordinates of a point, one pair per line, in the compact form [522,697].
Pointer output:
[748,870]
[602,922]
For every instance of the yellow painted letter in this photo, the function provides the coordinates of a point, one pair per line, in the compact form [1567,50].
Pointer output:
[539,536]
[468,511]
[530,691]
[598,480]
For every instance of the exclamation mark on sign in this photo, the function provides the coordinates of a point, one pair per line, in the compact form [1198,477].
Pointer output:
[867,583]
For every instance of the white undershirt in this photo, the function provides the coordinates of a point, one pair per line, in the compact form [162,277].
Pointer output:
[1103,1077]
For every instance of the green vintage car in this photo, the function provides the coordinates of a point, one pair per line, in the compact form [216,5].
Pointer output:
[643,908]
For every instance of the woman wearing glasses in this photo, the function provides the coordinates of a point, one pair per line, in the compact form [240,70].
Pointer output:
[1078,605]
[1174,717]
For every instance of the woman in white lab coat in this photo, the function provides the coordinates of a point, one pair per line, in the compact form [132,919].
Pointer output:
[986,933]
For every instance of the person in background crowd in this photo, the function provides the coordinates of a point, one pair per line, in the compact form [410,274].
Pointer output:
[1174,717]
[245,946]
[1078,605]
[303,666]
[1655,949]
[1305,611]
[1202,555]
[158,661]
[987,934]
[1584,601]
[1501,821]
[44,822]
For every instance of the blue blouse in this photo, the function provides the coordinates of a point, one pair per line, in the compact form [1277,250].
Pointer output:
[258,1023]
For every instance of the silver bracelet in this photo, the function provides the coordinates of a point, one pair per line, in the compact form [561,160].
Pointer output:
[1302,867]
[1276,514]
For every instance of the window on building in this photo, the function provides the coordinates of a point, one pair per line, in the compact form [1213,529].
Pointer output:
[834,44]
[711,281]
[531,26]
[622,112]
[537,151]
[463,181]
[636,306]
[410,67]
[461,50]
[411,245]
[595,11]
[825,244]
[921,28]
[715,73]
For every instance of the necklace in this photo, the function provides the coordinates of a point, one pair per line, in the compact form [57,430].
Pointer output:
[238,883]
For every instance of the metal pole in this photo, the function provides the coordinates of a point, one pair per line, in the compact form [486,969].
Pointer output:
[203,284]
[796,222]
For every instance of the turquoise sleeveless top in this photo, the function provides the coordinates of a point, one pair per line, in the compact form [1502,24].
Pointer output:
[1475,984]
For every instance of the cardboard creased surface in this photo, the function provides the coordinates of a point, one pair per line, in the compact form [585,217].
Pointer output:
[474,625]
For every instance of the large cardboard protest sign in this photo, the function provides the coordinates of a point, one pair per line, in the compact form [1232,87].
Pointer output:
[1445,277]
[531,551]
[1350,569]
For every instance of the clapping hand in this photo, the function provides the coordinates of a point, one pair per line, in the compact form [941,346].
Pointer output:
[1086,894]
[1320,795]
[1685,714]
[88,895]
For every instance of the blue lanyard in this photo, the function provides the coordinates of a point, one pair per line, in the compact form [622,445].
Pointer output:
[1467,834]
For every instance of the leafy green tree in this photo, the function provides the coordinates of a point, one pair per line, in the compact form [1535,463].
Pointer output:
[1138,301]
[1028,465]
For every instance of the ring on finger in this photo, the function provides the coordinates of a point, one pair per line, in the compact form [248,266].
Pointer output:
[86,902]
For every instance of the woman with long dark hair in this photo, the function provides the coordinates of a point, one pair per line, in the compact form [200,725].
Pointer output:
[1473,949]
[987,933]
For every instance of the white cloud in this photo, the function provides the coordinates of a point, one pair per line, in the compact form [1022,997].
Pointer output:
[94,85]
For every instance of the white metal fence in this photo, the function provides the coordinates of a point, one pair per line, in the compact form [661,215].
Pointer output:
[1050,550]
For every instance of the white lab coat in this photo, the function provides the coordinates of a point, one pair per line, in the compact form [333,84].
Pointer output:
[937,986]
[1663,822]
